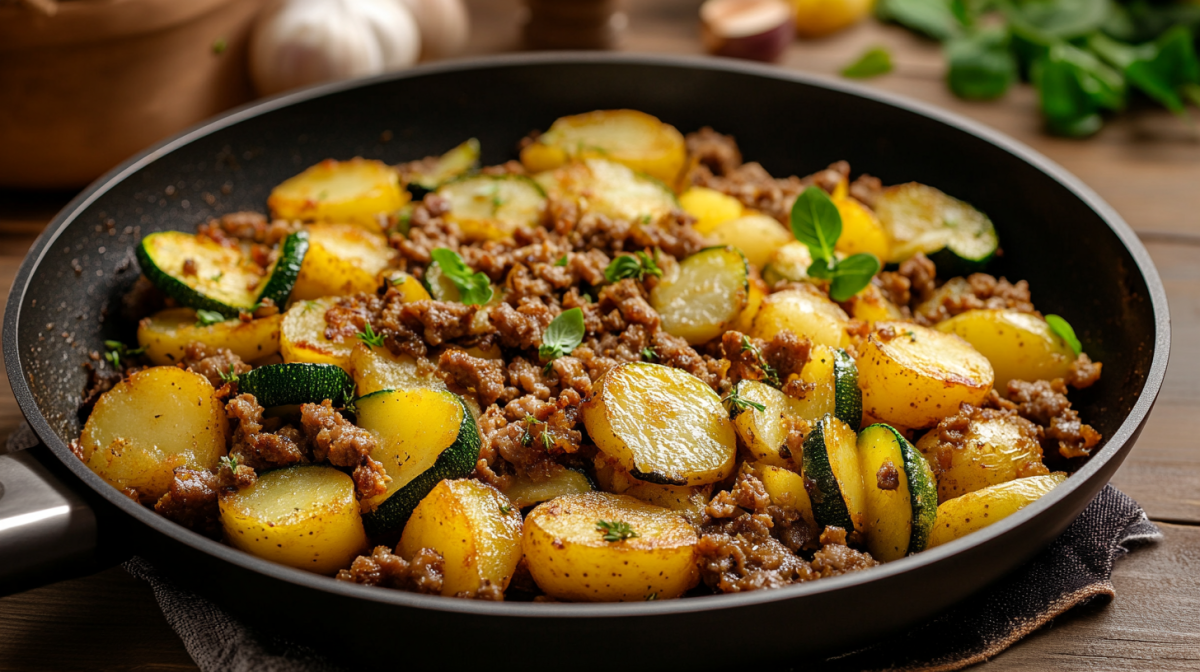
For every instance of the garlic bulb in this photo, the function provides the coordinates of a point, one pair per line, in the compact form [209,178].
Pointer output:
[444,25]
[301,42]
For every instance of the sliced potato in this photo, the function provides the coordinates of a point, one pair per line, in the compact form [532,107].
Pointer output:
[377,369]
[475,528]
[1019,345]
[610,189]
[973,511]
[361,191]
[996,448]
[304,517]
[705,296]
[709,207]
[870,305]
[754,298]
[764,432]
[661,424]
[804,311]
[409,287]
[570,559]
[166,335]
[525,492]
[492,207]
[786,488]
[629,137]
[302,335]
[151,423]
[788,263]
[912,376]
[342,259]
[688,500]
[758,237]
[861,230]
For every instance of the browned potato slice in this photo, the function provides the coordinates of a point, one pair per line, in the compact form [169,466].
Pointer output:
[913,376]
[148,425]
[649,552]
[304,517]
[786,488]
[973,511]
[342,259]
[995,448]
[804,311]
[688,500]
[1019,345]
[523,491]
[362,191]
[661,424]
[302,335]
[475,528]
[758,236]
[166,335]
[629,137]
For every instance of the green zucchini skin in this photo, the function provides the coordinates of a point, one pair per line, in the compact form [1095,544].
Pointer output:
[950,264]
[297,383]
[456,461]
[282,277]
[847,395]
[829,506]
[922,492]
[278,286]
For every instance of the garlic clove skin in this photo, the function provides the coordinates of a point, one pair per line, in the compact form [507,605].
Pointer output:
[445,26]
[301,42]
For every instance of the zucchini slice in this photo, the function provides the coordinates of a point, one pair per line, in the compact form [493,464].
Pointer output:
[525,492]
[832,471]
[705,296]
[764,432]
[297,383]
[221,279]
[425,436]
[835,377]
[900,491]
[610,189]
[458,161]
[918,218]
[492,207]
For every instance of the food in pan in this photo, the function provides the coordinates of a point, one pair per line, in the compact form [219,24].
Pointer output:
[628,366]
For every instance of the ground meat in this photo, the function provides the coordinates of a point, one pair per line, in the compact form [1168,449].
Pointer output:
[344,444]
[189,266]
[787,354]
[522,327]
[487,591]
[258,449]
[1084,372]
[921,274]
[751,184]
[1046,403]
[425,573]
[99,381]
[191,501]
[247,226]
[836,558]
[740,554]
[216,364]
[974,292]
[866,189]
[719,153]
[465,374]
[142,299]
[888,477]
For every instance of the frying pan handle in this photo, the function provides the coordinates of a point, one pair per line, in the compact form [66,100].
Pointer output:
[47,531]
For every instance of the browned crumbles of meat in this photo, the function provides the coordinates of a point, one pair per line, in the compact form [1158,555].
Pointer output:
[976,291]
[253,444]
[1045,403]
[247,227]
[716,152]
[836,558]
[887,477]
[343,444]
[425,573]
[218,365]
[1084,372]
[142,300]
[191,501]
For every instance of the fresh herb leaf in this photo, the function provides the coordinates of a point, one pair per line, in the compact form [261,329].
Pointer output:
[219,46]
[636,266]
[934,18]
[648,354]
[1074,85]
[369,337]
[1167,66]
[1063,328]
[562,261]
[473,288]
[230,376]
[207,318]
[735,404]
[116,350]
[982,65]
[852,274]
[770,375]
[816,222]
[505,509]
[1048,21]
[308,305]
[563,335]
[217,277]
[616,530]
[874,62]
[230,461]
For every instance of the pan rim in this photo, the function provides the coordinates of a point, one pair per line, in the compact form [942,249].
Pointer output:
[1116,443]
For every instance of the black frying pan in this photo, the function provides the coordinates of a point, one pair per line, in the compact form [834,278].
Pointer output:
[1081,259]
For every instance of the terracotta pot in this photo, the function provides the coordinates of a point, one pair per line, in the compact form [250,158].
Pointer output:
[102,79]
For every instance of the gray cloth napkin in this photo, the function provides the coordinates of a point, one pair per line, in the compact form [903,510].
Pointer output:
[1075,569]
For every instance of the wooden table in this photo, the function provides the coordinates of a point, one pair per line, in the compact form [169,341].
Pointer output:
[1146,164]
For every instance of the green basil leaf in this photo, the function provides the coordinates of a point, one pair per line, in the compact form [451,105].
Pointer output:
[1058,19]
[636,266]
[473,288]
[874,62]
[1074,85]
[1168,65]
[852,274]
[816,222]
[982,65]
[934,18]
[563,335]
[208,317]
[1063,328]
[820,269]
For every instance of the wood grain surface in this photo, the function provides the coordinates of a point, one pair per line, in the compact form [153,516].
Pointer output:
[1146,164]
